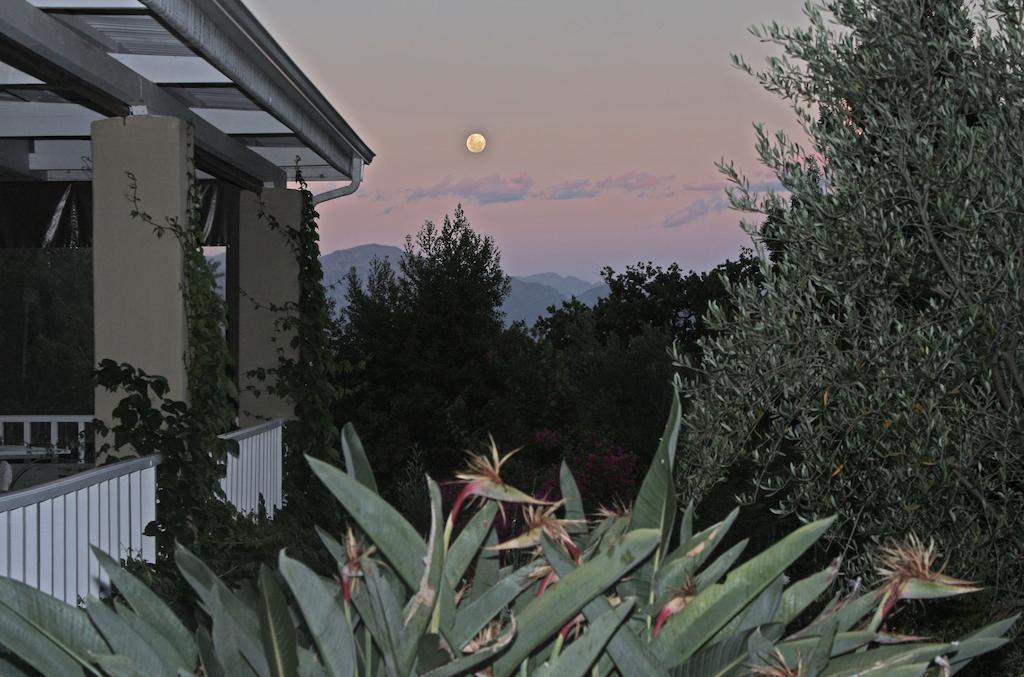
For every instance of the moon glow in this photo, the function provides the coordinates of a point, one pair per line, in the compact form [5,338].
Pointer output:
[476,143]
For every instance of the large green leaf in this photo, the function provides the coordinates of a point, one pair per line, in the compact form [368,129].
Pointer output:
[560,603]
[125,640]
[571,495]
[45,628]
[473,616]
[237,649]
[276,628]
[421,606]
[118,666]
[996,631]
[356,462]
[686,632]
[386,614]
[157,641]
[150,608]
[655,506]
[713,572]
[575,661]
[35,645]
[630,654]
[324,612]
[488,563]
[695,550]
[238,620]
[393,536]
[468,543]
[803,593]
[715,660]
[471,664]
[207,655]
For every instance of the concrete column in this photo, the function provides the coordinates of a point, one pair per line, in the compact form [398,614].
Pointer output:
[139,315]
[268,274]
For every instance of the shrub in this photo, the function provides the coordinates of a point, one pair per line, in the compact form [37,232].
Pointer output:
[636,594]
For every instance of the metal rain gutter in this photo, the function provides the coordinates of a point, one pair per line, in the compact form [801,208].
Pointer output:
[357,178]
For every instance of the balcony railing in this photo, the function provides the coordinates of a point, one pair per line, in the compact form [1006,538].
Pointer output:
[29,436]
[46,531]
[255,470]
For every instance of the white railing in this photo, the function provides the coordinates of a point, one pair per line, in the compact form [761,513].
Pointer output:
[46,531]
[60,434]
[256,469]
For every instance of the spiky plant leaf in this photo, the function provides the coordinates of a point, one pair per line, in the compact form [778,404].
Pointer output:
[655,506]
[322,609]
[474,615]
[468,543]
[549,612]
[125,640]
[159,643]
[630,654]
[804,592]
[356,463]
[575,661]
[390,532]
[47,633]
[422,605]
[150,608]
[276,627]
[208,655]
[702,618]
[571,495]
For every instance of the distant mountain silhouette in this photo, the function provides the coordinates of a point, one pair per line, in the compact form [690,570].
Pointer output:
[566,285]
[529,299]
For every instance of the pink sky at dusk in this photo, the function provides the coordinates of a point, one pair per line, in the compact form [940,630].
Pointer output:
[603,121]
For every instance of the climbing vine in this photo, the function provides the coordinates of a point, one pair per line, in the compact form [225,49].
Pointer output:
[308,373]
[148,421]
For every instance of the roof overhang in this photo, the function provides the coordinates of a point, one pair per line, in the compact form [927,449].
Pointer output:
[256,116]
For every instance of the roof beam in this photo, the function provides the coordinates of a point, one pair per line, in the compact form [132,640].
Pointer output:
[41,46]
[233,41]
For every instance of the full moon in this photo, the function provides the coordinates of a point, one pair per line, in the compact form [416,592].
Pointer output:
[476,143]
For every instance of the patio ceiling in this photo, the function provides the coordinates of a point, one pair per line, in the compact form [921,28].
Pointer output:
[66,63]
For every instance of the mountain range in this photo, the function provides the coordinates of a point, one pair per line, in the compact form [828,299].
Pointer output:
[529,297]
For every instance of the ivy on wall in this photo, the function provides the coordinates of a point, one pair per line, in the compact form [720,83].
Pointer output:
[308,374]
[148,421]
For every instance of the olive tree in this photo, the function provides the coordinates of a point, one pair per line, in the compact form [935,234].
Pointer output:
[876,371]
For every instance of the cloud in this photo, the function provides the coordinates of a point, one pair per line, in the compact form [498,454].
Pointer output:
[487,190]
[643,184]
[635,182]
[694,211]
[569,190]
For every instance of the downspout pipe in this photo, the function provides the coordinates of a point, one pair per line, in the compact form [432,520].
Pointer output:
[357,178]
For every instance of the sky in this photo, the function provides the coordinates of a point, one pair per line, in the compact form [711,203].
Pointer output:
[603,118]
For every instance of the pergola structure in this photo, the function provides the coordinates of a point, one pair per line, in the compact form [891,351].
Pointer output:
[91,90]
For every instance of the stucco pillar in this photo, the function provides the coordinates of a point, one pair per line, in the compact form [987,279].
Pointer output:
[139,309]
[268,275]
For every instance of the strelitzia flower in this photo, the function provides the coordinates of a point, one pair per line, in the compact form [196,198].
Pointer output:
[543,520]
[680,598]
[910,573]
[352,571]
[482,481]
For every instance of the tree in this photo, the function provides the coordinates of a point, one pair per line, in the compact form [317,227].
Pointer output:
[877,369]
[426,337]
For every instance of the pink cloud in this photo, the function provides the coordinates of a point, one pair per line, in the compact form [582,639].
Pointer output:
[634,182]
[694,211]
[570,190]
[487,190]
